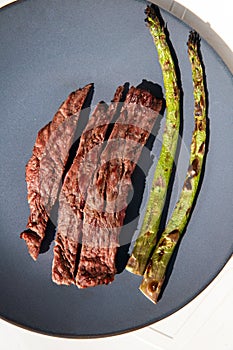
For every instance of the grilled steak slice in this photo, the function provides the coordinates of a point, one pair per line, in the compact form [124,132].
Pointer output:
[45,168]
[107,195]
[73,193]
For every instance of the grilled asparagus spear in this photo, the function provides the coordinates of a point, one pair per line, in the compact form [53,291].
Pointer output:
[155,272]
[147,237]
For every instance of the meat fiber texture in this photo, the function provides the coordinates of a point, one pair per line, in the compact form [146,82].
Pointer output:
[73,193]
[45,168]
[106,201]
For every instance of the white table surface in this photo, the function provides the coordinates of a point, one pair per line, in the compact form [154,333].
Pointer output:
[207,321]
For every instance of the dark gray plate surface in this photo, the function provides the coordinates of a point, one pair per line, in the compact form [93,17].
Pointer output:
[48,49]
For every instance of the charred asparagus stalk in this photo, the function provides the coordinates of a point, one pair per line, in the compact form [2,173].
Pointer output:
[156,268]
[147,237]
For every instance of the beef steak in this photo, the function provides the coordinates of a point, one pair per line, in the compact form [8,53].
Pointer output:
[45,168]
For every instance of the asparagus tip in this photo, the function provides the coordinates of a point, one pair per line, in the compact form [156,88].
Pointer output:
[151,10]
[154,18]
[193,40]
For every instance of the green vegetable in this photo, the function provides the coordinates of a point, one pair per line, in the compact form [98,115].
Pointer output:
[147,237]
[155,272]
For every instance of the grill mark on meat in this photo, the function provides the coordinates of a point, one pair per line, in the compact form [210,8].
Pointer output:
[46,165]
[73,192]
[107,195]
